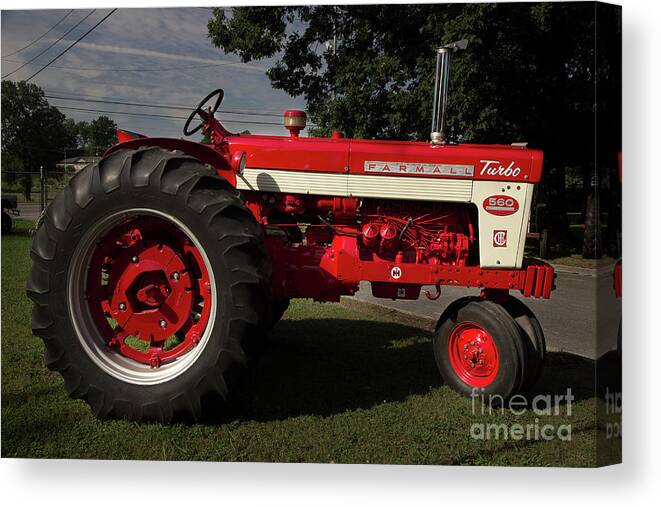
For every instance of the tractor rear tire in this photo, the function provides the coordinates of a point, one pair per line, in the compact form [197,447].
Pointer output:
[149,186]
[479,350]
[533,340]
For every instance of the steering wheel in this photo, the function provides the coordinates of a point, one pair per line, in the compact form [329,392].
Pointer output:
[202,112]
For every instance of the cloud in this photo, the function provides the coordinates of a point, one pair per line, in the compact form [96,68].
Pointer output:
[161,55]
[145,38]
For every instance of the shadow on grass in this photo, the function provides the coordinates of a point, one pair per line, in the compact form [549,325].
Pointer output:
[328,366]
[14,399]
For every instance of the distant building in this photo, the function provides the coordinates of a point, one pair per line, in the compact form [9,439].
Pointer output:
[72,165]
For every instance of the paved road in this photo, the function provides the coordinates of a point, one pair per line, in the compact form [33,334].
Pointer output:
[29,210]
[569,318]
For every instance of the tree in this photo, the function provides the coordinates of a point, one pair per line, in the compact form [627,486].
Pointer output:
[528,73]
[33,132]
[81,129]
[98,135]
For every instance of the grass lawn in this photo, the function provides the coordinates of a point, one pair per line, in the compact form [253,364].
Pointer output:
[347,383]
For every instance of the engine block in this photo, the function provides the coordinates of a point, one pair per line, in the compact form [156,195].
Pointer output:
[433,233]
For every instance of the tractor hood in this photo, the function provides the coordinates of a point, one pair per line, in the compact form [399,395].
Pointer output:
[397,158]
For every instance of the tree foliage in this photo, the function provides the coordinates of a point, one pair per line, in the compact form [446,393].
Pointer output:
[523,63]
[528,73]
[33,132]
[36,134]
[96,136]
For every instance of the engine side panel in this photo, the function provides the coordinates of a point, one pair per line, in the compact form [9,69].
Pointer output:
[503,215]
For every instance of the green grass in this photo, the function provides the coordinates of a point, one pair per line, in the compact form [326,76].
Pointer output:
[348,383]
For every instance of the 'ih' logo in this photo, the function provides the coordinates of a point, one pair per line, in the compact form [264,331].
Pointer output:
[499,238]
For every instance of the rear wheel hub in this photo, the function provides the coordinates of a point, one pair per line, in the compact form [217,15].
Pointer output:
[148,291]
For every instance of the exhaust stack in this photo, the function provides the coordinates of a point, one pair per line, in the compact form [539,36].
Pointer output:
[441,89]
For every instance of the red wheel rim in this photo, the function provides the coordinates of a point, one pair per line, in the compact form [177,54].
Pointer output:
[148,290]
[473,354]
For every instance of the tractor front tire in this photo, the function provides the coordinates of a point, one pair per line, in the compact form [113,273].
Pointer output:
[158,234]
[479,350]
[533,340]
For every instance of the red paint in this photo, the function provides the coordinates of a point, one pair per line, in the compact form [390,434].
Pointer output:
[156,286]
[336,154]
[325,272]
[296,154]
[528,161]
[294,113]
[127,135]
[473,354]
[398,246]
[434,233]
[500,205]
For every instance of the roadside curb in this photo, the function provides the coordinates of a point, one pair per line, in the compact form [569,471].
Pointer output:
[575,270]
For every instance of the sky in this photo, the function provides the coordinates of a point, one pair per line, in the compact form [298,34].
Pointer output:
[158,38]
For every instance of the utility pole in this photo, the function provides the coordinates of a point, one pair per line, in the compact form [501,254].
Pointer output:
[42,187]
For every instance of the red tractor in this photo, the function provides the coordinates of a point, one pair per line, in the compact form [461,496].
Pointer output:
[157,271]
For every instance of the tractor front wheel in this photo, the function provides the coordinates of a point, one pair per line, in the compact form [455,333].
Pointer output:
[479,350]
[150,283]
[532,337]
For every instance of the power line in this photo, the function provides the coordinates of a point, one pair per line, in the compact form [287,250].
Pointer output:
[226,9]
[40,37]
[188,107]
[111,69]
[154,115]
[119,102]
[73,43]
[49,47]
[159,106]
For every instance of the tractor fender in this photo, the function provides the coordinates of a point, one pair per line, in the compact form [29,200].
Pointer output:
[202,152]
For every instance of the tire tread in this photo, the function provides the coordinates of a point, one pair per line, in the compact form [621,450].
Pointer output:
[240,241]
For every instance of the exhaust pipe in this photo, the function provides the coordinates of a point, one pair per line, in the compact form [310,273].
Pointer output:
[441,90]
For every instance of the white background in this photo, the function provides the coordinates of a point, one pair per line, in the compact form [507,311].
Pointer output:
[638,480]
